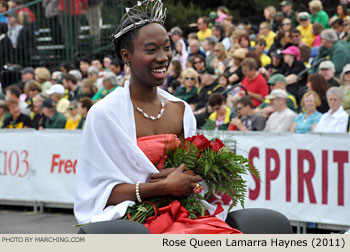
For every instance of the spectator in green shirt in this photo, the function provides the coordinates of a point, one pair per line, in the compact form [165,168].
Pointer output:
[318,15]
[55,120]
[188,90]
[110,83]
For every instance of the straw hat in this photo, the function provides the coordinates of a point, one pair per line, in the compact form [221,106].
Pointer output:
[239,53]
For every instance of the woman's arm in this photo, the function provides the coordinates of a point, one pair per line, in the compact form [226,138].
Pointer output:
[176,183]
[293,127]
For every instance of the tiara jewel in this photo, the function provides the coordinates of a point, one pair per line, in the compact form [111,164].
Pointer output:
[153,9]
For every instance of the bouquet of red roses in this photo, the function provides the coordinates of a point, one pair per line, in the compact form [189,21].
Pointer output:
[220,168]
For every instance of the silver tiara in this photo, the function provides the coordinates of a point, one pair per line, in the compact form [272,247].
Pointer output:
[154,9]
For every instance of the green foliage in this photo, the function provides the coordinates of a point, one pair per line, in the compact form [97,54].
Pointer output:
[179,15]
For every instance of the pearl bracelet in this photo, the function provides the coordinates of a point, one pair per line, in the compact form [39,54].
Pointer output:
[138,192]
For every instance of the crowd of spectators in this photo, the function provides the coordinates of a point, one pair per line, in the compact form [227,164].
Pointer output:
[291,73]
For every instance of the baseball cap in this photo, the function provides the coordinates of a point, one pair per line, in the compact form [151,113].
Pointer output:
[292,50]
[304,16]
[277,53]
[276,77]
[277,93]
[56,89]
[28,70]
[285,3]
[327,65]
[48,103]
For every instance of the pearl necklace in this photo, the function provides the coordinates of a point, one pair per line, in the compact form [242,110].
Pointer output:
[152,117]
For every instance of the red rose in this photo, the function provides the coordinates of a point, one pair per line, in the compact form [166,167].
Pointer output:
[200,141]
[217,144]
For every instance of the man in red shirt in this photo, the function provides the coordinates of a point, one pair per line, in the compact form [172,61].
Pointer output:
[254,82]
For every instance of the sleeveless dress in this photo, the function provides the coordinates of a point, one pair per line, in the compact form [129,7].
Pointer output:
[173,219]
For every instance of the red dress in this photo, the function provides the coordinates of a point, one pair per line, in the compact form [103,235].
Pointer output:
[173,219]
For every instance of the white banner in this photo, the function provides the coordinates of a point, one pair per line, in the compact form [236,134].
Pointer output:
[305,177]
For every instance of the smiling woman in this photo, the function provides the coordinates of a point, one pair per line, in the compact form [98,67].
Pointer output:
[127,132]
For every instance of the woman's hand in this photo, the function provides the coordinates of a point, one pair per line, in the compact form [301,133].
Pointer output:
[163,174]
[180,181]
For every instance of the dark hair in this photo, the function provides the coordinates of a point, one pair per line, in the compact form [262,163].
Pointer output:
[67,65]
[125,41]
[338,21]
[5,4]
[244,36]
[14,90]
[85,59]
[70,77]
[216,99]
[117,63]
[198,56]
[318,84]
[345,8]
[177,67]
[3,28]
[280,35]
[220,29]
[294,30]
[86,103]
[246,100]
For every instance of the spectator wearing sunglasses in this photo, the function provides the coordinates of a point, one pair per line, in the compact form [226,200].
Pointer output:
[305,28]
[247,118]
[74,119]
[188,91]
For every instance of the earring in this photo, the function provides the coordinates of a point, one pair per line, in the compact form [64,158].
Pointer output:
[127,66]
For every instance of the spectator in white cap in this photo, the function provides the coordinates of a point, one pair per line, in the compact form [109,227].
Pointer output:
[282,119]
[110,83]
[336,119]
[56,93]
[336,51]
[318,15]
[327,70]
[345,86]
[93,74]
[305,28]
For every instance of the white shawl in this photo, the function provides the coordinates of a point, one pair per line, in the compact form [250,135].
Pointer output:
[109,155]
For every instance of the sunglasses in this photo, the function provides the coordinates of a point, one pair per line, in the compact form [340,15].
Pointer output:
[217,108]
[239,108]
[286,24]
[189,78]
[347,72]
[302,20]
[197,62]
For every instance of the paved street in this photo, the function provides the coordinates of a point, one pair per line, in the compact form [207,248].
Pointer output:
[23,221]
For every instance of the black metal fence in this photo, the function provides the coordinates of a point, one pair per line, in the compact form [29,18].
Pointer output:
[54,36]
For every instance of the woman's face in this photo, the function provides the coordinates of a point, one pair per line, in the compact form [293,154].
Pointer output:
[244,43]
[267,14]
[217,51]
[189,80]
[223,81]
[309,102]
[288,59]
[276,61]
[340,11]
[178,47]
[85,89]
[309,86]
[151,57]
[198,64]
[347,76]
